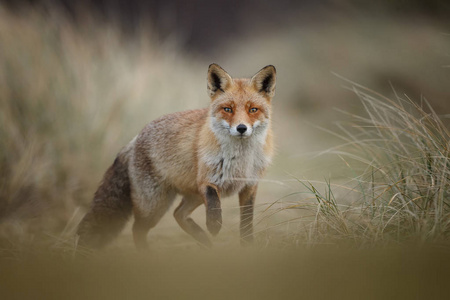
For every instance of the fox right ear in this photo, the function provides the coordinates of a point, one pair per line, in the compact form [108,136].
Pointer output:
[265,80]
[218,80]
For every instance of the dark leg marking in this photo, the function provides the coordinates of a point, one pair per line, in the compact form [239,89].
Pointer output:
[213,211]
[247,202]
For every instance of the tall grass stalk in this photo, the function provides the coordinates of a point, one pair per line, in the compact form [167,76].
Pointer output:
[402,194]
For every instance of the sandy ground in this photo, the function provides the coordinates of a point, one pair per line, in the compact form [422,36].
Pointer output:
[191,273]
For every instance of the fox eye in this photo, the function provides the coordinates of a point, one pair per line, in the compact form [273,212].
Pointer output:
[253,110]
[227,109]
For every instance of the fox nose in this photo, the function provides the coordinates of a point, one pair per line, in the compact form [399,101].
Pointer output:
[241,128]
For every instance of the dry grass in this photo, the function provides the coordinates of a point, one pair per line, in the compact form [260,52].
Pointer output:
[399,153]
[70,98]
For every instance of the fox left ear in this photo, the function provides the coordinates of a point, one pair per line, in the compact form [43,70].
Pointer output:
[265,80]
[218,80]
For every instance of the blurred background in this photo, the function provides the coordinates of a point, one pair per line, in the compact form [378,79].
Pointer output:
[79,79]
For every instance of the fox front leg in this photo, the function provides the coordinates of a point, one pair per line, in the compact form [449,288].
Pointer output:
[213,210]
[247,203]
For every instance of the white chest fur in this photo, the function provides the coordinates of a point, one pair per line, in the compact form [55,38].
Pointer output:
[239,162]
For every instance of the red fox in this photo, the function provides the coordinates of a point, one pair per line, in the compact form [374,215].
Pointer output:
[202,154]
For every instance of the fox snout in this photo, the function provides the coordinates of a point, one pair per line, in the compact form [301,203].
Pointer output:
[241,130]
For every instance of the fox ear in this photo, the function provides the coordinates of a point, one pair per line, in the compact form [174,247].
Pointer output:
[218,79]
[265,80]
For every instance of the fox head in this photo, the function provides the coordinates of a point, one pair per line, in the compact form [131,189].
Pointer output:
[240,108]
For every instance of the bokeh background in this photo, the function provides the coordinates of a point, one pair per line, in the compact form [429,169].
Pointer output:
[79,79]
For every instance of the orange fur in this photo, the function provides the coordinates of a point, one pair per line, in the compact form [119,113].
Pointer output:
[202,155]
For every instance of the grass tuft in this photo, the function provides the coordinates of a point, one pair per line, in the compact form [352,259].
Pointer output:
[402,192]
